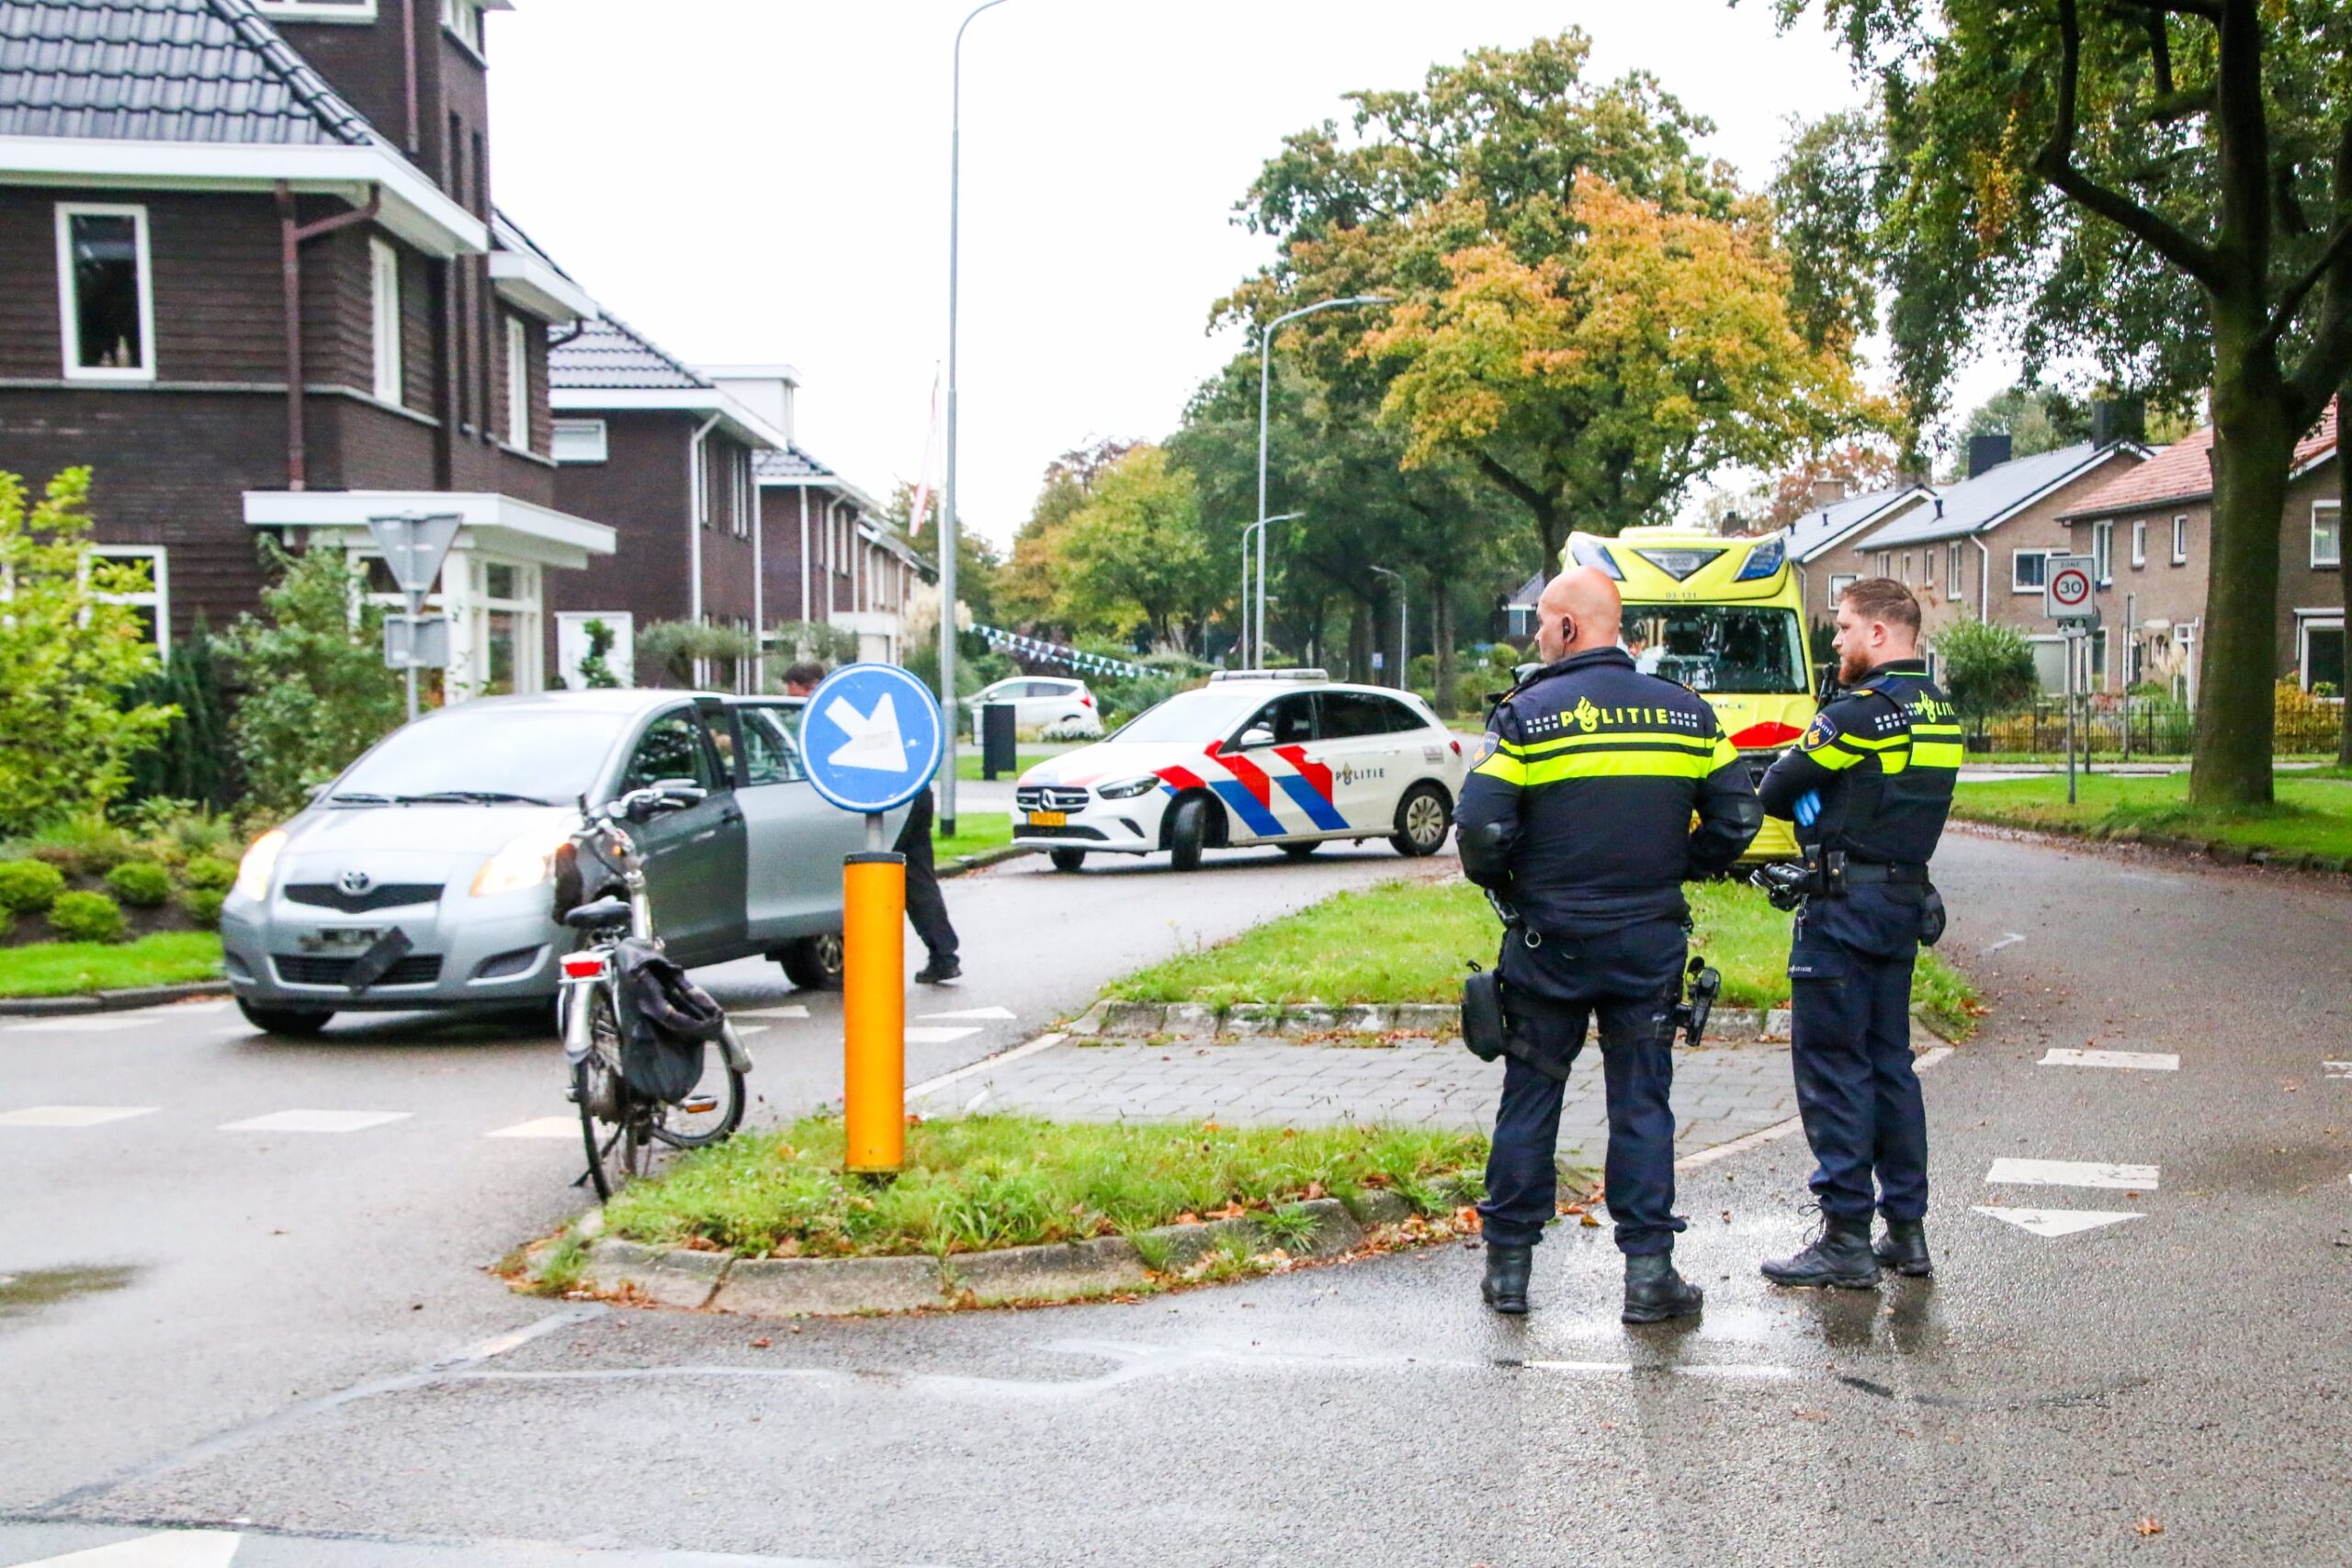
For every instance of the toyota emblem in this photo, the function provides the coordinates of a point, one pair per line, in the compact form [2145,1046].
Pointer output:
[355,882]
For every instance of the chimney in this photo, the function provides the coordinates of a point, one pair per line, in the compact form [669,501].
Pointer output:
[1826,491]
[1987,452]
[768,390]
[2117,419]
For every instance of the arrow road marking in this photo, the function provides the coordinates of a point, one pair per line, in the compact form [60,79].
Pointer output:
[794,1011]
[917,1036]
[540,1127]
[2337,1069]
[2051,1223]
[874,740]
[73,1115]
[171,1549]
[2143,1061]
[2009,938]
[1001,1013]
[316,1121]
[2071,1173]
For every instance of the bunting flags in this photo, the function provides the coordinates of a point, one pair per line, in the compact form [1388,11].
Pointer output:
[1056,653]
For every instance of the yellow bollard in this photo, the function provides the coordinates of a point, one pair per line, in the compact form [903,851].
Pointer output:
[873,1011]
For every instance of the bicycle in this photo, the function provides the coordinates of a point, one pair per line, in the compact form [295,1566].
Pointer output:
[621,1125]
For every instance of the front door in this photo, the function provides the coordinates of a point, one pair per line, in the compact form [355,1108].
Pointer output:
[1357,742]
[694,859]
[1277,785]
[795,840]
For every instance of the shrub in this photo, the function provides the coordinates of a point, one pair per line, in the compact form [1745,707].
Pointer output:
[667,651]
[28,886]
[80,846]
[209,874]
[141,884]
[1067,729]
[194,763]
[203,906]
[1988,668]
[2306,721]
[86,917]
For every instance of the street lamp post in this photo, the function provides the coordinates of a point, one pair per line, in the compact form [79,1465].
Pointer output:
[1404,627]
[1265,385]
[952,709]
[1259,528]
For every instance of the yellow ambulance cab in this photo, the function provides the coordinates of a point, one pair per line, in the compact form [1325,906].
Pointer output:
[1725,617]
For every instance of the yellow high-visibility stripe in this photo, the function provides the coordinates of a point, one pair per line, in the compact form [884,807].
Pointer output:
[1725,754]
[1835,757]
[1938,754]
[1506,769]
[1617,765]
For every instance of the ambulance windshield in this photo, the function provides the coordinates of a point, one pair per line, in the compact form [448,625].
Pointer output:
[1719,648]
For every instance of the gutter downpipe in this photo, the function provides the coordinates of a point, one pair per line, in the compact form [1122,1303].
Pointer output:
[1984,577]
[291,237]
[698,496]
[759,579]
[408,36]
[804,554]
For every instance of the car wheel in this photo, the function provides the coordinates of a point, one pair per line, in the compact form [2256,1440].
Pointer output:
[1300,852]
[1423,818]
[1187,831]
[814,963]
[295,1023]
[1067,859]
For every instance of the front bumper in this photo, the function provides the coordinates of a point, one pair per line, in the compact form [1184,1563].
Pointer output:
[1129,827]
[1778,842]
[467,954]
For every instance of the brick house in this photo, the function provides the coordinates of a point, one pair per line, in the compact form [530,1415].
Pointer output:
[250,274]
[665,456]
[1836,520]
[1980,547]
[2152,527]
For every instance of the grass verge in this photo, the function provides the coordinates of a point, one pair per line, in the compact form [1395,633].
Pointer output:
[1412,941]
[975,831]
[974,1183]
[2312,813]
[967,759]
[76,968]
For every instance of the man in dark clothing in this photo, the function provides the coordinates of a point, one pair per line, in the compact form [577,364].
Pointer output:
[1869,788]
[1579,816]
[926,906]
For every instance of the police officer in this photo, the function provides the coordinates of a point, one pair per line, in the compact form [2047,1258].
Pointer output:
[1869,787]
[1579,816]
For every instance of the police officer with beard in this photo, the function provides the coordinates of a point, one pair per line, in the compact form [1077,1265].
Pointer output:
[1869,788]
[1578,818]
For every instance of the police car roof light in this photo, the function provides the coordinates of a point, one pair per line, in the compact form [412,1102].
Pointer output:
[1269,675]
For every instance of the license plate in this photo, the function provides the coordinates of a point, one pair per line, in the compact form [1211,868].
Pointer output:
[1049,818]
[344,939]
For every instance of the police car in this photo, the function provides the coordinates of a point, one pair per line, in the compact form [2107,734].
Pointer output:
[1275,756]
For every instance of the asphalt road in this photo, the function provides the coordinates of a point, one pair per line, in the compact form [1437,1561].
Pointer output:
[2168,1386]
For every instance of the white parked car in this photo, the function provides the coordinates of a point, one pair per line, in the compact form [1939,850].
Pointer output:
[1289,758]
[1042,703]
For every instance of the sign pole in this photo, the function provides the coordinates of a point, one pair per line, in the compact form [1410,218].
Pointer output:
[2073,645]
[874,1007]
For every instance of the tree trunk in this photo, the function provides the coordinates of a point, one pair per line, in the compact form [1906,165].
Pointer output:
[1442,643]
[2253,442]
[1358,641]
[2344,573]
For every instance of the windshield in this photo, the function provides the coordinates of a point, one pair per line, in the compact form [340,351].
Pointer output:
[488,753]
[1194,716]
[1719,648]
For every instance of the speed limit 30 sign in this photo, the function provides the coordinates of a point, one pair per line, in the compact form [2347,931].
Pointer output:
[2067,591]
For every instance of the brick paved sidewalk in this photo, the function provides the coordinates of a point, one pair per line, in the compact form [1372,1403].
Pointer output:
[1720,1092]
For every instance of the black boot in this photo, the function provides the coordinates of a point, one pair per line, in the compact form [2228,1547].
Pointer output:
[1654,1291]
[1905,1248]
[939,970]
[1504,1286]
[1839,1254]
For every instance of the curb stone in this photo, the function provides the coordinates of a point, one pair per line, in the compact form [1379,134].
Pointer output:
[828,1287]
[112,1001]
[679,1279]
[1198,1020]
[1060,1268]
[981,859]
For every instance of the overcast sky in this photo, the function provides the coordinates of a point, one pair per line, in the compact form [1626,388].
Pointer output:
[754,180]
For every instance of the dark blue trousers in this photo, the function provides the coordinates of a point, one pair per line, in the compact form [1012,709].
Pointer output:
[1638,1069]
[1852,1049]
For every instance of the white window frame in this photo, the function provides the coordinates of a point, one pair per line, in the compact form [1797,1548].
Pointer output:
[69,325]
[2319,561]
[2139,544]
[462,18]
[158,597]
[2018,584]
[384,300]
[518,384]
[581,441]
[357,12]
[1951,570]
[2306,623]
[739,490]
[2103,552]
[2180,539]
[1838,583]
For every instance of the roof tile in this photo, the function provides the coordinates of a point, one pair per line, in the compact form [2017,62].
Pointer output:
[610,355]
[2184,471]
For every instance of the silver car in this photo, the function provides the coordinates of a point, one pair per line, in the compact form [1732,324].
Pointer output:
[425,876]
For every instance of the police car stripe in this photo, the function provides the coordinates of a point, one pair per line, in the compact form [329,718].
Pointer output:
[1318,810]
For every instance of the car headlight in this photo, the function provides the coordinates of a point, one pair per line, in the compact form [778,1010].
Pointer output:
[1127,789]
[261,860]
[1589,552]
[1764,560]
[527,861]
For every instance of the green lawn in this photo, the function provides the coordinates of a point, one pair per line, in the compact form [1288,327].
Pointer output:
[1411,942]
[2313,814]
[978,1182]
[967,760]
[975,831]
[73,968]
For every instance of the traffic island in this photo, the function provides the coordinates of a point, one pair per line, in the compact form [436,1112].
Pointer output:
[1000,1211]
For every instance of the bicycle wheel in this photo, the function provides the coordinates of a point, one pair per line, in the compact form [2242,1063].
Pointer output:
[706,1116]
[616,1127]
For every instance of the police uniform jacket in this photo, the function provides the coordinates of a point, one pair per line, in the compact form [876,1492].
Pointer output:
[1580,810]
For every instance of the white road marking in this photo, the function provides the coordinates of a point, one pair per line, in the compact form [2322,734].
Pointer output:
[170,1549]
[2337,1069]
[919,1036]
[1788,1128]
[2071,1173]
[2141,1061]
[201,1007]
[540,1127]
[753,1028]
[1043,1043]
[73,1115]
[2051,1223]
[2009,938]
[316,1121]
[1723,1370]
[793,1010]
[81,1023]
[998,1014]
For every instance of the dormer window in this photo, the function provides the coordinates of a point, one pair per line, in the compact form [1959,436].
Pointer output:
[317,10]
[463,18]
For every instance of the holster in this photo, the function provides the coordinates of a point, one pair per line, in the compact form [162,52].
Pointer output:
[1931,918]
[1486,1027]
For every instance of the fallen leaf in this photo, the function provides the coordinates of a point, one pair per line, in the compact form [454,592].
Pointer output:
[1811,1414]
[762,1343]
[2150,1526]
[1589,1221]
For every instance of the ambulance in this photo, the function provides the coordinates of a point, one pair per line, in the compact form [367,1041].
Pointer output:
[1725,617]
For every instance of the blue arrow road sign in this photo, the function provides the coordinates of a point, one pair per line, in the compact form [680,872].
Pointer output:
[871,737]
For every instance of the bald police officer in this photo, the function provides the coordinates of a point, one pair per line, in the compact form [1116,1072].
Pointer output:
[1579,818]
[1869,788]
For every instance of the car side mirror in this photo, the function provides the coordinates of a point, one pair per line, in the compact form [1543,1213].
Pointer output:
[1257,735]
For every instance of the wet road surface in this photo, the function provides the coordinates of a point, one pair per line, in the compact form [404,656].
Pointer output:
[2139,1352]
